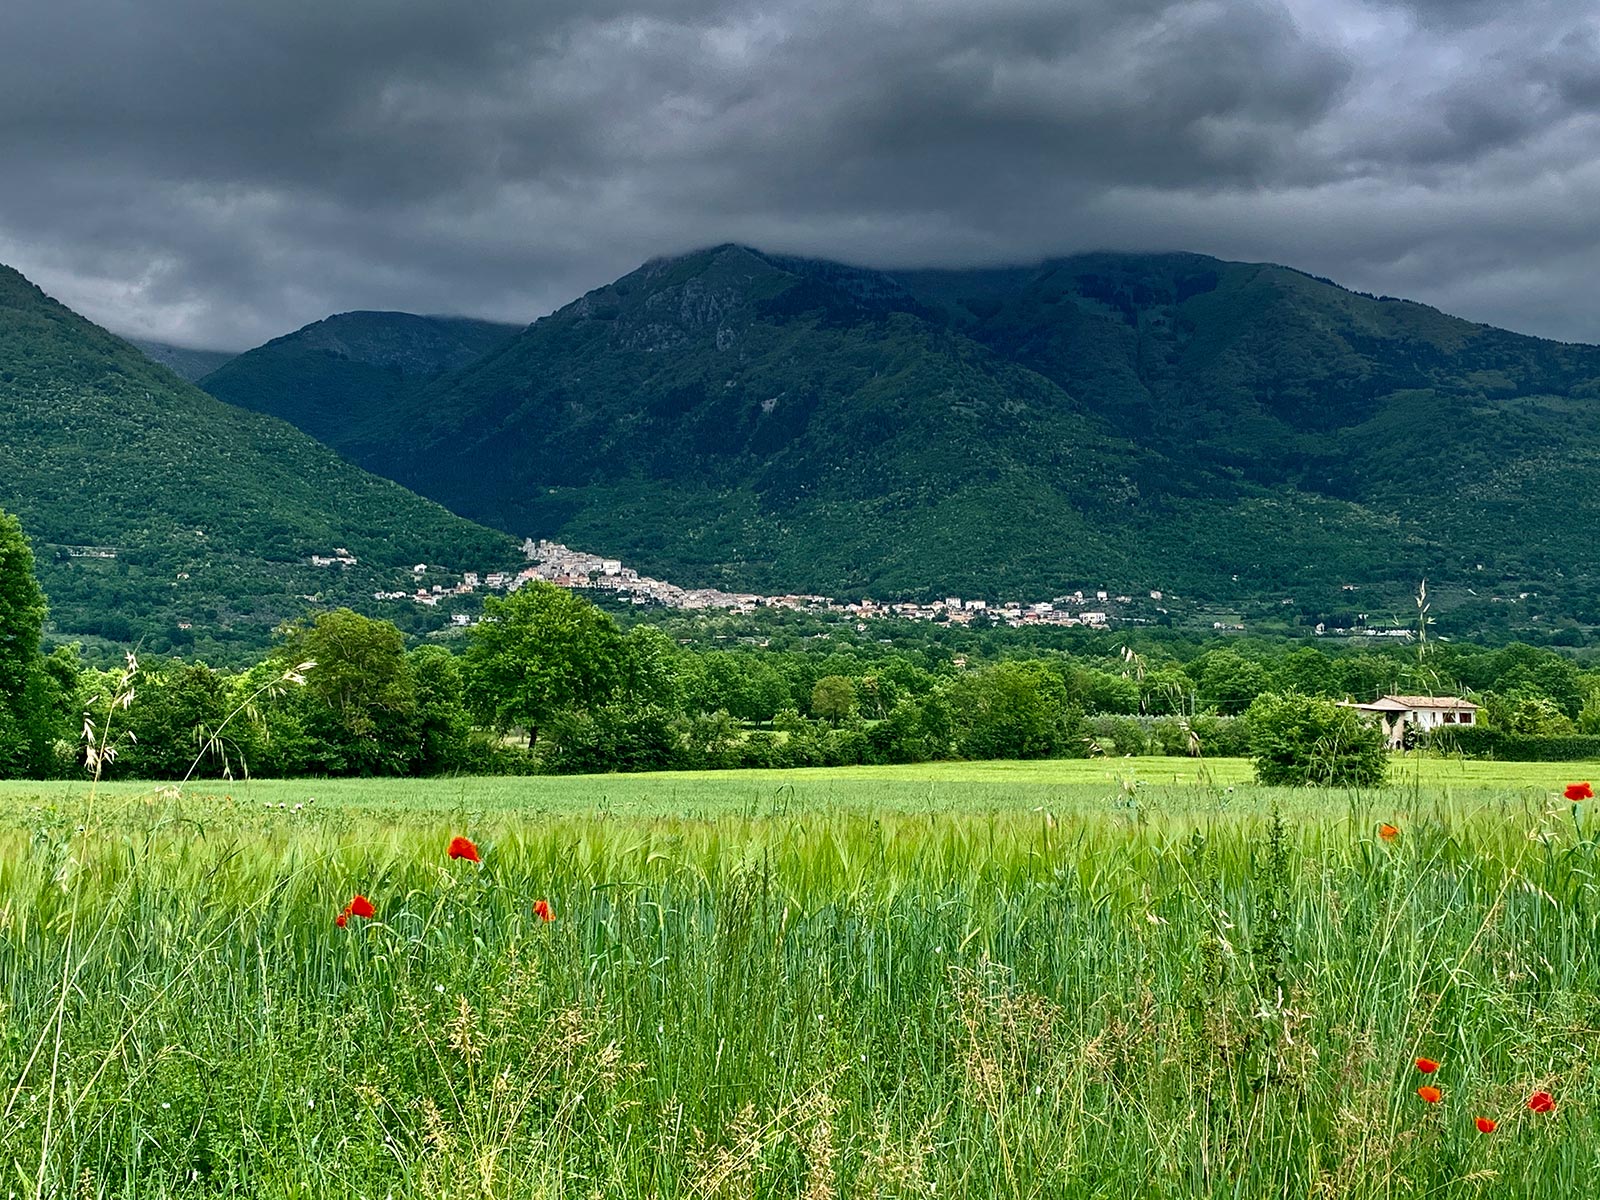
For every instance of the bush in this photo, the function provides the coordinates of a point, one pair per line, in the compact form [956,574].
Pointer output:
[1120,735]
[1299,740]
[611,738]
[1479,741]
[1222,737]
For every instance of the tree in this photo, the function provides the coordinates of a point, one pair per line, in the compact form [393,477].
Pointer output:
[1013,710]
[611,737]
[1228,681]
[22,610]
[29,697]
[360,699]
[1097,691]
[833,698]
[443,724]
[538,652]
[650,670]
[1300,740]
[1308,671]
[1529,714]
[174,719]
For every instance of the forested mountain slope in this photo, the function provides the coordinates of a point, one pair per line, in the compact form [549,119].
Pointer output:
[1163,421]
[181,360]
[334,377]
[153,506]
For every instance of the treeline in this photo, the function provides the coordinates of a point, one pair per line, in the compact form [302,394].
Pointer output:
[549,682]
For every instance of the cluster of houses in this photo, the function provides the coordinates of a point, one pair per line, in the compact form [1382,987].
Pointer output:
[566,567]
[552,562]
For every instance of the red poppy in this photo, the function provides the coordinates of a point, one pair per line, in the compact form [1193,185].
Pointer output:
[461,847]
[1427,1066]
[1542,1102]
[1388,832]
[541,909]
[1430,1094]
[342,920]
[1485,1125]
[1579,791]
[360,906]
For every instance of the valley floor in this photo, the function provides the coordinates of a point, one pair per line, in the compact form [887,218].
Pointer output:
[1101,979]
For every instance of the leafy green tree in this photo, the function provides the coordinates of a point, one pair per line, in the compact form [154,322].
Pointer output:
[833,698]
[30,696]
[1309,672]
[443,725]
[713,740]
[1228,681]
[611,737]
[1013,710]
[1097,691]
[1366,676]
[749,687]
[360,699]
[541,651]
[651,671]
[1528,713]
[903,736]
[1120,735]
[175,718]
[1589,715]
[22,610]
[1300,740]
[1166,690]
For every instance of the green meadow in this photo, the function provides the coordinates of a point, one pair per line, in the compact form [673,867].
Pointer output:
[1111,978]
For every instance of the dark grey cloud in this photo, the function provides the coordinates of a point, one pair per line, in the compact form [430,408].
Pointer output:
[217,174]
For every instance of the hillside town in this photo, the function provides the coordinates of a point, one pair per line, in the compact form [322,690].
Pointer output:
[561,565]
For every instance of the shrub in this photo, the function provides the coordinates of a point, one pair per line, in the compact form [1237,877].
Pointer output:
[1120,735]
[1299,740]
[1479,741]
[1222,737]
[611,738]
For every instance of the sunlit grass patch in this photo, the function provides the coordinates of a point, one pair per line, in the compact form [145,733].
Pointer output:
[989,980]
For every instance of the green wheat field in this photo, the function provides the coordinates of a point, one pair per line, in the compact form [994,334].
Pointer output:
[1063,979]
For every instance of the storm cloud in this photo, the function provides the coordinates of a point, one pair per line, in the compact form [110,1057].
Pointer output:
[219,174]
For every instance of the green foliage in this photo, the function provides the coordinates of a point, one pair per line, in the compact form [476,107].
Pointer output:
[175,723]
[1235,432]
[1482,741]
[22,611]
[833,698]
[212,512]
[347,373]
[359,702]
[883,987]
[539,652]
[1228,682]
[612,737]
[443,724]
[1303,740]
[35,698]
[1014,710]
[1528,714]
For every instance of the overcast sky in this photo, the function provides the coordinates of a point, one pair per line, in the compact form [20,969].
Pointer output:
[219,173]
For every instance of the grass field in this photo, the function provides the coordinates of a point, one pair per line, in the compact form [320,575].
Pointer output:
[1129,978]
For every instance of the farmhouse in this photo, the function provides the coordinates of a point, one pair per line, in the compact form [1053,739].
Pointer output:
[1422,713]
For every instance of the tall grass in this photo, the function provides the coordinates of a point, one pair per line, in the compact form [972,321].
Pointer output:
[1176,992]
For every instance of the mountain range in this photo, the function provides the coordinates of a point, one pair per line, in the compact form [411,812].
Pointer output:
[336,376]
[1238,433]
[182,361]
[164,517]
